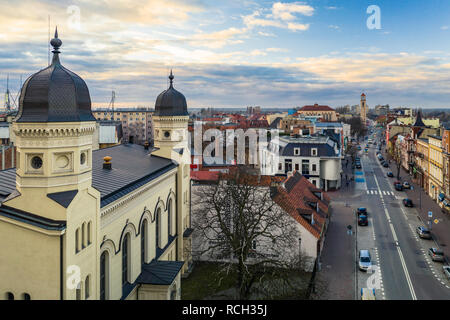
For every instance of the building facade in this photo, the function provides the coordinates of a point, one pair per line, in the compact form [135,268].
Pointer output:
[78,223]
[322,111]
[316,157]
[137,124]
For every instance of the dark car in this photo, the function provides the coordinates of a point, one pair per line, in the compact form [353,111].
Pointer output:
[390,174]
[362,220]
[386,165]
[361,211]
[358,166]
[406,185]
[408,203]
[398,186]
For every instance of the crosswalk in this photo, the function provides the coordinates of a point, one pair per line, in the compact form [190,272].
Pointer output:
[382,192]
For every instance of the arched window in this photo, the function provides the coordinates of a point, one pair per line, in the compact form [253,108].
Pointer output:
[83,236]
[26,296]
[77,240]
[89,233]
[125,259]
[104,275]
[144,242]
[87,289]
[169,218]
[9,296]
[78,291]
[158,228]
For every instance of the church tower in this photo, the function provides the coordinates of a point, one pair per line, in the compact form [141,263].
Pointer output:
[170,122]
[54,132]
[363,109]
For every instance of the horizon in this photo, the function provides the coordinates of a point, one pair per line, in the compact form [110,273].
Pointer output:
[277,55]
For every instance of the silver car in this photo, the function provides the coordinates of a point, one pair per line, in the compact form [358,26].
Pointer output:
[424,233]
[436,254]
[365,262]
[446,270]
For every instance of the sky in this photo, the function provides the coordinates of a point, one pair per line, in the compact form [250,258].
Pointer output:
[238,53]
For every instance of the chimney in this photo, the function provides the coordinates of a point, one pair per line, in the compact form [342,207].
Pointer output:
[107,163]
[146,145]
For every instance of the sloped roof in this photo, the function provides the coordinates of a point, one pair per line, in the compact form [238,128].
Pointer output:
[293,198]
[316,107]
[132,167]
[160,272]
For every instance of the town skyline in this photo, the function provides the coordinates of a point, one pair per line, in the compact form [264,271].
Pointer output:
[230,55]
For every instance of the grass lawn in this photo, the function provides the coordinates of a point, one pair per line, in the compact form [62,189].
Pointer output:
[204,283]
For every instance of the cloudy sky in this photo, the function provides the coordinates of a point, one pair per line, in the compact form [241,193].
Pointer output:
[234,53]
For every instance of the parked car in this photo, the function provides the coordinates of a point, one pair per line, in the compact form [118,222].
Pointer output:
[365,262]
[436,254]
[398,186]
[386,165]
[406,185]
[358,166]
[390,174]
[424,233]
[446,270]
[361,211]
[408,203]
[362,220]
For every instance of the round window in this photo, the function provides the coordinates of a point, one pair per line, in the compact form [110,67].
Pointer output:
[167,134]
[83,158]
[36,162]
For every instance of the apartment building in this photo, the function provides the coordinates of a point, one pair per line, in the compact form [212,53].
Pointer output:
[137,124]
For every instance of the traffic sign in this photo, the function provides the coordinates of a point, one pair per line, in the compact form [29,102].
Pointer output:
[430,214]
[436,221]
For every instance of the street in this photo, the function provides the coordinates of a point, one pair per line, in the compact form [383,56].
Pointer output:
[402,268]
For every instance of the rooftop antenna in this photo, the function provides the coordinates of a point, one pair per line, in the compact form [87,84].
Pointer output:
[48,42]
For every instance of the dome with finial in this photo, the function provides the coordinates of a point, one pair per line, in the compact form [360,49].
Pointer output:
[55,94]
[171,102]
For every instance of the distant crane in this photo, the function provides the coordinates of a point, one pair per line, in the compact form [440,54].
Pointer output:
[7,96]
[111,104]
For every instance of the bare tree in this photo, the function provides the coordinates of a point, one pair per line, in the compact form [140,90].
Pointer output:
[237,223]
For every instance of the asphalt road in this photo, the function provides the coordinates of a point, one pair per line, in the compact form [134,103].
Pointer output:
[406,271]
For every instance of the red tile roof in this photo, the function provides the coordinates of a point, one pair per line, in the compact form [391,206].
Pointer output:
[316,107]
[293,197]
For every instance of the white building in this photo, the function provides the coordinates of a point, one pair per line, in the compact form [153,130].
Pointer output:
[316,157]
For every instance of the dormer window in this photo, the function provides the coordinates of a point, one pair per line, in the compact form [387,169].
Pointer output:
[314,152]
[296,151]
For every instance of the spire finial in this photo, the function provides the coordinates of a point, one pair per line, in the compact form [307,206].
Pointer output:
[171,78]
[56,44]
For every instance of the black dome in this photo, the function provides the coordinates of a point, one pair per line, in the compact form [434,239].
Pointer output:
[171,102]
[55,94]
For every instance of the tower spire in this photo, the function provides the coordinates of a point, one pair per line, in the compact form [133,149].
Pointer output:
[56,44]
[171,78]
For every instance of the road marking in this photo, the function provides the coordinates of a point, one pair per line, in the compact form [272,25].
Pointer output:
[402,260]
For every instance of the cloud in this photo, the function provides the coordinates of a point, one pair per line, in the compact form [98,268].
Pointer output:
[333,27]
[284,11]
[444,28]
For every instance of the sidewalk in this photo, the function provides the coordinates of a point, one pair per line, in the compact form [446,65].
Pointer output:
[441,230]
[337,275]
